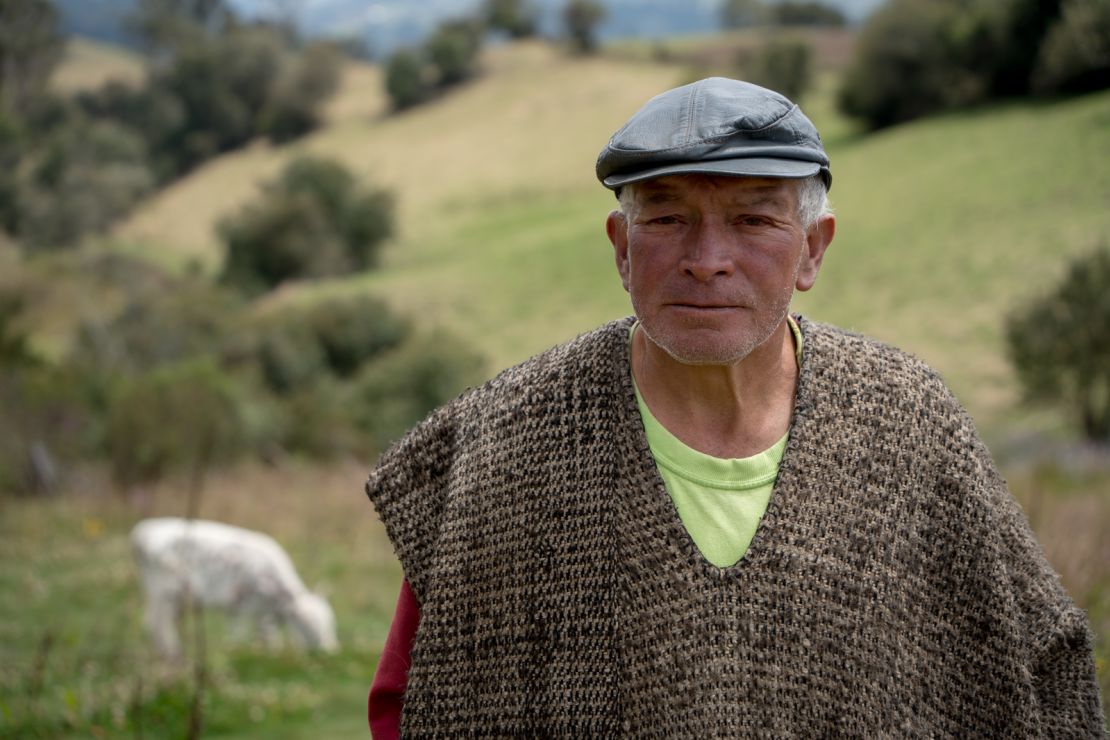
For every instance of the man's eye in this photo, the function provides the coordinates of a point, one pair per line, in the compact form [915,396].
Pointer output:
[753,221]
[664,220]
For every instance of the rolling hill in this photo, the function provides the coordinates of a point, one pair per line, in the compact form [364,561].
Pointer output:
[945,224]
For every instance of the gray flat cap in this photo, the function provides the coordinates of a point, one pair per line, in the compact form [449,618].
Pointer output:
[715,126]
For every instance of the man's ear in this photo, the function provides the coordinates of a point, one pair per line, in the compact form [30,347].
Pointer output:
[818,239]
[616,227]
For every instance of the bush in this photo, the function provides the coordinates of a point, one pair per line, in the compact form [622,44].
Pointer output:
[30,47]
[1060,344]
[182,417]
[300,91]
[391,394]
[742,13]
[296,348]
[79,181]
[911,61]
[313,221]
[790,13]
[165,322]
[1075,56]
[45,418]
[352,331]
[283,238]
[581,19]
[47,424]
[784,65]
[407,79]
[917,57]
[453,50]
[517,18]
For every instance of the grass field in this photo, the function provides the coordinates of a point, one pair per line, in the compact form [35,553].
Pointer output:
[944,227]
[74,663]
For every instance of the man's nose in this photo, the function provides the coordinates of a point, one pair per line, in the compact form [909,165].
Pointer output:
[709,252]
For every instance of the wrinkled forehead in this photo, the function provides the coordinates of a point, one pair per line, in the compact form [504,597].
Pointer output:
[747,190]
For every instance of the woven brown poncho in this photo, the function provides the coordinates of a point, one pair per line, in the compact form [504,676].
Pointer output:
[893,587]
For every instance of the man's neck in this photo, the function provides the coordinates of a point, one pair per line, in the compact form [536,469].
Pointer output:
[726,411]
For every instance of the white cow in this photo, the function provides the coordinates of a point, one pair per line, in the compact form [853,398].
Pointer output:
[245,573]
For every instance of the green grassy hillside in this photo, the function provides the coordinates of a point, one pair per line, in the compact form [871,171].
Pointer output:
[945,225]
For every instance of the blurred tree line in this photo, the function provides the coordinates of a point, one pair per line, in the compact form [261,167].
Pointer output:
[175,374]
[168,374]
[918,57]
[71,166]
[449,56]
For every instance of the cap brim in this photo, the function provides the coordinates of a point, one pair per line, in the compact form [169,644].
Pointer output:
[748,167]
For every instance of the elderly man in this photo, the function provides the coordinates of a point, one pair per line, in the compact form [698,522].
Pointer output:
[716,518]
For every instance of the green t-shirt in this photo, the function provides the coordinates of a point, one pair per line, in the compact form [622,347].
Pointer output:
[720,501]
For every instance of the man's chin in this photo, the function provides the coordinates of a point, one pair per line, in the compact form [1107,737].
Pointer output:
[685,348]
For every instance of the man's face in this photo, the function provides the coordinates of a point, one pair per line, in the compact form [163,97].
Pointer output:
[711,263]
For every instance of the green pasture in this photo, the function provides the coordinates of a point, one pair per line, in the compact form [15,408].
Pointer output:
[73,659]
[944,226]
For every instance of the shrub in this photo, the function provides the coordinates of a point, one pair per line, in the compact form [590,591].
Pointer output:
[407,79]
[581,19]
[911,61]
[316,421]
[783,65]
[298,347]
[453,50]
[517,18]
[284,238]
[46,425]
[917,57]
[45,418]
[391,394]
[30,47]
[289,356]
[81,179]
[300,91]
[1060,344]
[164,322]
[1075,56]
[182,417]
[313,221]
[742,13]
[791,13]
[352,331]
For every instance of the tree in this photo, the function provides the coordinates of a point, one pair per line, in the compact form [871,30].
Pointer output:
[303,84]
[407,81]
[1060,344]
[783,65]
[742,13]
[394,392]
[1075,55]
[913,59]
[179,417]
[453,50]
[224,87]
[30,47]
[793,13]
[167,26]
[517,18]
[285,237]
[581,19]
[314,220]
[80,180]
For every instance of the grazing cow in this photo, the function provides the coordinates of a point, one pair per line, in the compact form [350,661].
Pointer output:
[245,573]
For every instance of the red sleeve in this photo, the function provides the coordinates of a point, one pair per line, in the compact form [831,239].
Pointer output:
[387,693]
